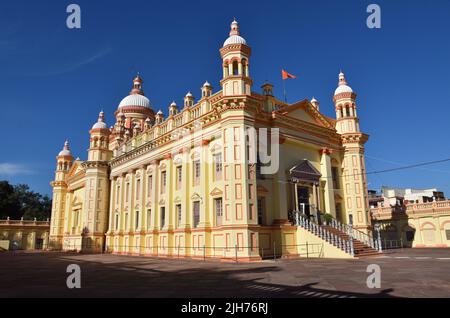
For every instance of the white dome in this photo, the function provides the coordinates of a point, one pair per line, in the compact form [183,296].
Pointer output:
[135,100]
[65,153]
[66,150]
[234,39]
[99,124]
[343,89]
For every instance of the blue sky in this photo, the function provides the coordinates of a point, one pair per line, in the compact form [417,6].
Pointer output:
[54,81]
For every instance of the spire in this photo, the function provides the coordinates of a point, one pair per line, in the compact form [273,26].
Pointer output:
[234,28]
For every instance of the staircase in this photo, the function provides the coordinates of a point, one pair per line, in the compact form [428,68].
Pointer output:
[342,236]
[360,249]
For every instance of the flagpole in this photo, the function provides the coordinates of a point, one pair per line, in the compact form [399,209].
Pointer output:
[284,91]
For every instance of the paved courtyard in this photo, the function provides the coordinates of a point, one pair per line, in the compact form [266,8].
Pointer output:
[404,273]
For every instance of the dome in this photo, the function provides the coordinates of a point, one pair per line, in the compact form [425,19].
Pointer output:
[343,87]
[135,100]
[235,39]
[100,124]
[66,150]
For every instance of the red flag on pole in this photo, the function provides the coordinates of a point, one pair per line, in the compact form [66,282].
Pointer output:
[286,75]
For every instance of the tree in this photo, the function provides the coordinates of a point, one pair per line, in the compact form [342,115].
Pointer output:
[18,201]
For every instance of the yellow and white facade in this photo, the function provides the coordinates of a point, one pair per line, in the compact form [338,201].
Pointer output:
[188,185]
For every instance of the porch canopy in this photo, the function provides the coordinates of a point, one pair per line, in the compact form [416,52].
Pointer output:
[305,172]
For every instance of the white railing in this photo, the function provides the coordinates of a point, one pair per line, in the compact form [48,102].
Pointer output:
[356,234]
[336,240]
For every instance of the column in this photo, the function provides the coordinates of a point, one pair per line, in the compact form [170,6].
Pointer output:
[327,176]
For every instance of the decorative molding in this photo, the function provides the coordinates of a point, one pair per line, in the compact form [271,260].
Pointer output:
[216,192]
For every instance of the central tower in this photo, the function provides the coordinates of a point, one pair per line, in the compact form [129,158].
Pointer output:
[235,56]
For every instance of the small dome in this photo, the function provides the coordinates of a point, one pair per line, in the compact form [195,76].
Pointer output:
[173,104]
[206,84]
[159,112]
[313,100]
[234,37]
[135,100]
[343,87]
[100,124]
[189,94]
[66,150]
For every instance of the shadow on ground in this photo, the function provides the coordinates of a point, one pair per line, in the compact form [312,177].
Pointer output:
[44,275]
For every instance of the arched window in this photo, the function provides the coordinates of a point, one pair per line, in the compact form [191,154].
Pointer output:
[235,68]
[245,67]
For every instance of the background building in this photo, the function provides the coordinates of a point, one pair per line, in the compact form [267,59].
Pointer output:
[24,235]
[411,217]
[401,196]
[191,184]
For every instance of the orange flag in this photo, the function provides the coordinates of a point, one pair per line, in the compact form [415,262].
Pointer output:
[286,75]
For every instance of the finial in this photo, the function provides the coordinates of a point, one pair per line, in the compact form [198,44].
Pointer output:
[234,28]
[342,80]
[101,116]
[137,85]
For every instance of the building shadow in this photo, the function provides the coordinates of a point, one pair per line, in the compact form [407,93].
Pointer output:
[44,275]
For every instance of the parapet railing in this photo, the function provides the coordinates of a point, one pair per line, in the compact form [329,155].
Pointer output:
[24,222]
[411,210]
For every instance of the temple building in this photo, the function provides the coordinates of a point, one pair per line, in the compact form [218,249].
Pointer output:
[193,183]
